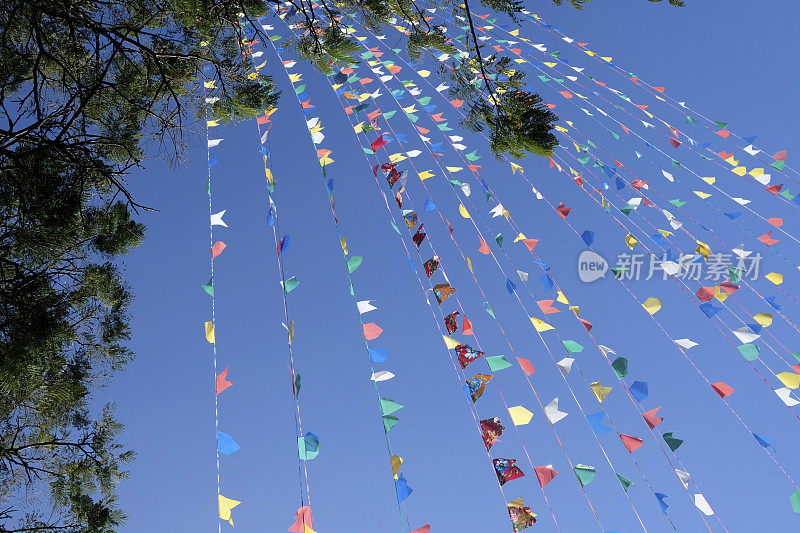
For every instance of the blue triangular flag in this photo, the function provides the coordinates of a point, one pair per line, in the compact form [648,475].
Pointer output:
[639,390]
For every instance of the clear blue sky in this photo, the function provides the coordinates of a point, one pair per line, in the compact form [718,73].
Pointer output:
[730,61]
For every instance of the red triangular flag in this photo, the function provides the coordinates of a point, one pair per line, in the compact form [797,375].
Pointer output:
[423,529]
[723,389]
[531,243]
[631,443]
[674,142]
[484,249]
[651,418]
[767,239]
[467,329]
[222,382]
[378,143]
[563,210]
[780,156]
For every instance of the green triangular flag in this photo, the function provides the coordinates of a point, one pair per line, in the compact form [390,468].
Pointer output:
[627,210]
[455,183]
[618,271]
[389,406]
[497,362]
[425,100]
[591,143]
[395,228]
[499,239]
[721,124]
[615,135]
[353,263]
[488,309]
[676,164]
[544,78]
[689,120]
[620,366]
[796,355]
[299,89]
[389,115]
[626,483]
[472,156]
[778,165]
[444,127]
[671,441]
[209,287]
[389,422]
[677,202]
[296,384]
[208,186]
[795,501]
[290,284]
[572,346]
[352,290]
[584,160]
[412,118]
[585,474]
[749,351]
[735,274]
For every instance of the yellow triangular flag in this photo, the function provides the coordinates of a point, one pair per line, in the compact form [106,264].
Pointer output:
[519,415]
[210,332]
[225,506]
[541,325]
[702,194]
[790,379]
[425,175]
[562,299]
[450,342]
[599,391]
[739,171]
[463,211]
[652,305]
[775,278]
[765,319]
[520,237]
[396,462]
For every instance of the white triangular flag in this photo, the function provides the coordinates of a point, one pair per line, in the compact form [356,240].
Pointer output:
[745,335]
[785,394]
[565,365]
[497,211]
[684,477]
[552,412]
[740,251]
[606,350]
[216,219]
[522,275]
[365,306]
[750,149]
[465,189]
[741,201]
[701,503]
[685,344]
[381,375]
[386,78]
[214,142]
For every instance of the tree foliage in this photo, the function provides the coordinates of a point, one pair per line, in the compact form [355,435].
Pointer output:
[88,89]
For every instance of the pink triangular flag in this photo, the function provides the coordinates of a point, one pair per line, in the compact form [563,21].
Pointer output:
[372,331]
[545,474]
[302,518]
[217,248]
[526,366]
